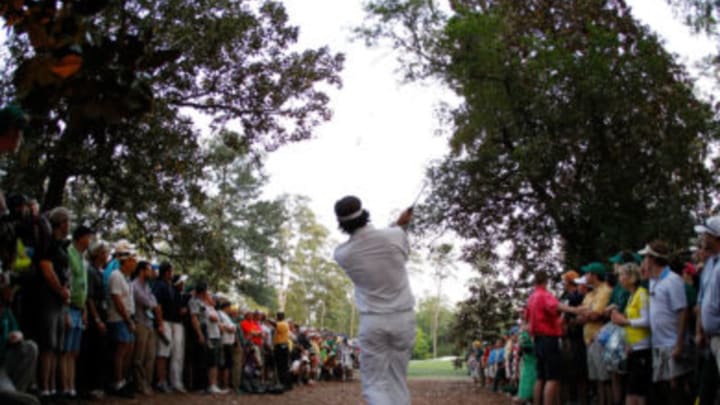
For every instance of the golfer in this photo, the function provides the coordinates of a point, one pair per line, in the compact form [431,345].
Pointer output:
[374,259]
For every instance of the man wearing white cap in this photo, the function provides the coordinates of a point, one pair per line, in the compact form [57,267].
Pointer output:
[668,319]
[708,324]
[121,324]
[374,259]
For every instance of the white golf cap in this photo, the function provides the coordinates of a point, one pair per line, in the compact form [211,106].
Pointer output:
[581,281]
[711,227]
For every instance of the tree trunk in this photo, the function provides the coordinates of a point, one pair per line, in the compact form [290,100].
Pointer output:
[436,316]
[56,189]
[435,328]
[352,319]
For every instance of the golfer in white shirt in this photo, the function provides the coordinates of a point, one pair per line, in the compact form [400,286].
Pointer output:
[374,259]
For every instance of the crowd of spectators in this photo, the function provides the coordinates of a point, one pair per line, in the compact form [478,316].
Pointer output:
[83,318]
[641,327]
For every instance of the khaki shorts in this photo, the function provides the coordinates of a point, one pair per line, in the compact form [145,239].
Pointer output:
[665,367]
[597,369]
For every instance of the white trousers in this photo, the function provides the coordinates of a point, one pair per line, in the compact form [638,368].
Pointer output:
[386,344]
[175,334]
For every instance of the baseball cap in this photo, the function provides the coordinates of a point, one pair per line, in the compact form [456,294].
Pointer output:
[81,231]
[690,269]
[623,257]
[124,249]
[581,281]
[595,268]
[711,227]
[570,276]
[179,279]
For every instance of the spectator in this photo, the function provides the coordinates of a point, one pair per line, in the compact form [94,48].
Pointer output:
[55,295]
[592,313]
[81,238]
[636,320]
[708,323]
[573,348]
[267,347]
[95,347]
[228,329]
[18,357]
[281,346]
[147,314]
[121,325]
[173,346]
[618,301]
[346,358]
[528,368]
[115,262]
[668,316]
[545,326]
[500,371]
[206,325]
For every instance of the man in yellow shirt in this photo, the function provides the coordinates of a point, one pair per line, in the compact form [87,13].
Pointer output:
[281,350]
[592,314]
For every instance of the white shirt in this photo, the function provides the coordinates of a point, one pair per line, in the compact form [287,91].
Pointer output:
[228,338]
[119,285]
[374,259]
[667,301]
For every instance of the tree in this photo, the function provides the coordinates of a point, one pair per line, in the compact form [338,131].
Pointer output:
[242,228]
[421,350]
[701,15]
[318,293]
[123,122]
[239,229]
[442,262]
[577,134]
[490,309]
[435,319]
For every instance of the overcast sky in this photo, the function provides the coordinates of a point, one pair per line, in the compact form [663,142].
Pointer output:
[382,135]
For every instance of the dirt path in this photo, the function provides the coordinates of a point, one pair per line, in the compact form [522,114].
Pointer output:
[424,392]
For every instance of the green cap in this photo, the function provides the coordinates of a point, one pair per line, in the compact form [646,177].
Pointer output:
[623,257]
[12,116]
[594,267]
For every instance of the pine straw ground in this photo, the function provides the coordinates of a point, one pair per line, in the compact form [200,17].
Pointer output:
[424,392]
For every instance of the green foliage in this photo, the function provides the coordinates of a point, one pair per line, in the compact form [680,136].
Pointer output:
[121,130]
[318,291]
[577,134]
[490,309]
[425,316]
[421,350]
[115,140]
[701,15]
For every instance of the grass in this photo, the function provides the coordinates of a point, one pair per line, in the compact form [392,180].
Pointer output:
[435,368]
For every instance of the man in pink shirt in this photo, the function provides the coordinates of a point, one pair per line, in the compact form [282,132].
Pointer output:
[546,328]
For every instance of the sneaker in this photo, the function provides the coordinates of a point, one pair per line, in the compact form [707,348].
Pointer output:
[97,394]
[162,388]
[180,389]
[214,390]
[122,391]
